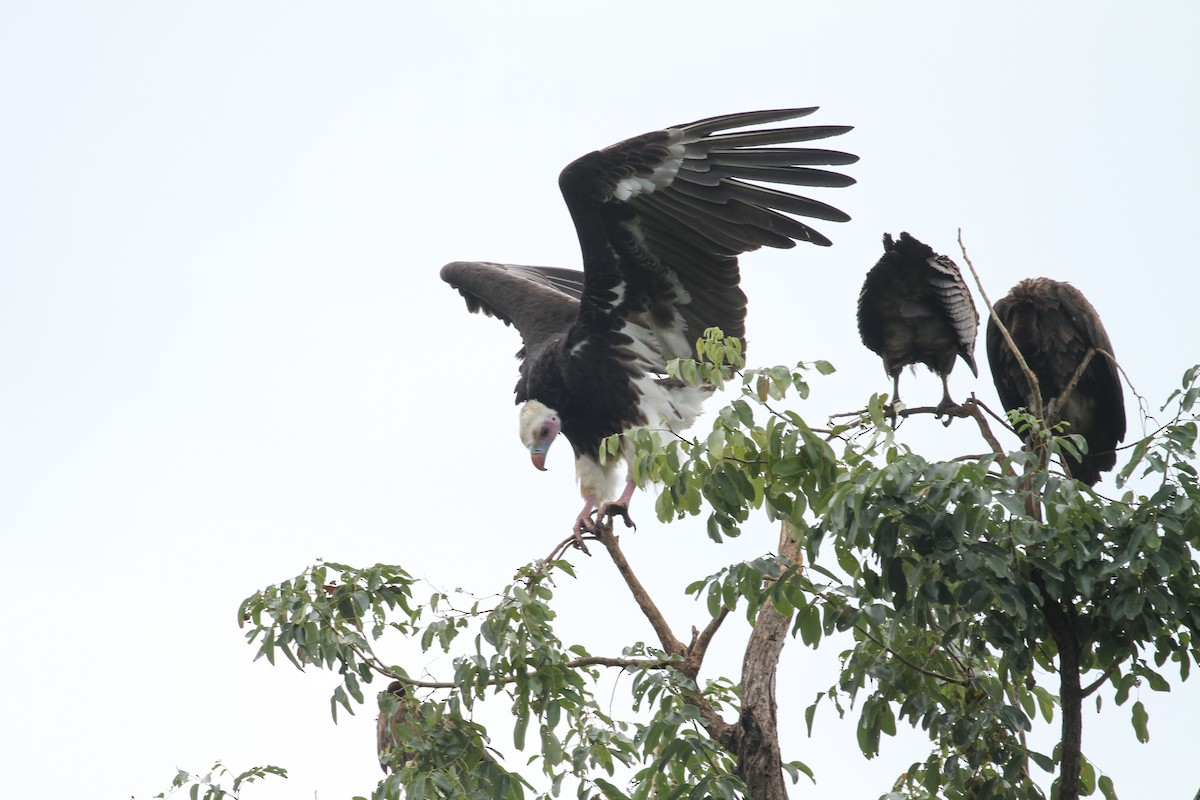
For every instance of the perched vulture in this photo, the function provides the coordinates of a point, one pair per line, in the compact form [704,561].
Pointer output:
[1055,328]
[661,219]
[914,308]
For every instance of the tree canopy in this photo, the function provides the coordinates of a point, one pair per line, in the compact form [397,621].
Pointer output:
[982,596]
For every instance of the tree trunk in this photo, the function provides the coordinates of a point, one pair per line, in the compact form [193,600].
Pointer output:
[759,763]
[1061,619]
[1071,697]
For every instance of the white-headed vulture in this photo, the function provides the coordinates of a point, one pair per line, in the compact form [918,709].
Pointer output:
[661,219]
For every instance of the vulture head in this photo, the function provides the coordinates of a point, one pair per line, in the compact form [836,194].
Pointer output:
[539,427]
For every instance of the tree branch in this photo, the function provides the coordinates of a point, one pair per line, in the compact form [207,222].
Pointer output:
[611,543]
[884,646]
[1096,684]
[1029,376]
[699,644]
[575,663]
[718,728]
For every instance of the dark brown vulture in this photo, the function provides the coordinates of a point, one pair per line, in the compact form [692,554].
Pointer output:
[914,308]
[661,219]
[1055,327]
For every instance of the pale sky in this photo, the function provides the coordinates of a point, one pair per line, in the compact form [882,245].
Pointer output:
[225,350]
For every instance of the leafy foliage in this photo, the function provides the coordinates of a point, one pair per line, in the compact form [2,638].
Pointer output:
[960,588]
[959,578]
[205,787]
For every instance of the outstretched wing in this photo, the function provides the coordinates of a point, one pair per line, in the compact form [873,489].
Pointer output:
[541,302]
[662,217]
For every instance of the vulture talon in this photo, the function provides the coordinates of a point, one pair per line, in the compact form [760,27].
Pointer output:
[617,509]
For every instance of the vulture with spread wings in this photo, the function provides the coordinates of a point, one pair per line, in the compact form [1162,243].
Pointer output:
[1057,329]
[915,308]
[661,219]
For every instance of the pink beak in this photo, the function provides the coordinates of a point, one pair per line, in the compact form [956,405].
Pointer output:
[539,460]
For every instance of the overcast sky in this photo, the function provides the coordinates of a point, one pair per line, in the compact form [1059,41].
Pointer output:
[225,350]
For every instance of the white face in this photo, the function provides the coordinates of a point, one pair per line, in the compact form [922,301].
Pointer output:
[539,426]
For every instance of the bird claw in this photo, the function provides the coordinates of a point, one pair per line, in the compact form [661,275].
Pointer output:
[583,526]
[614,510]
[587,523]
[948,408]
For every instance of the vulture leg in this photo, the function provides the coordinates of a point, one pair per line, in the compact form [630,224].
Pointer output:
[584,524]
[946,403]
[895,397]
[620,506]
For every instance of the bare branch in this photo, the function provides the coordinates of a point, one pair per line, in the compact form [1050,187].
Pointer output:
[575,663]
[1029,376]
[611,543]
[699,644]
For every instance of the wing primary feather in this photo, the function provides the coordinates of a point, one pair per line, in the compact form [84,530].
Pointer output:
[781,156]
[735,218]
[712,232]
[710,174]
[702,127]
[772,136]
[785,201]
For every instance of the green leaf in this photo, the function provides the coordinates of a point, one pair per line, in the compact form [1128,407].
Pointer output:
[1141,722]
[1087,778]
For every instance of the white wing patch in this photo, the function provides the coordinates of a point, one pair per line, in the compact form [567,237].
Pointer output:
[672,407]
[662,175]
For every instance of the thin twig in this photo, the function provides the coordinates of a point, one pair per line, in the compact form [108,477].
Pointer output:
[575,663]
[1029,375]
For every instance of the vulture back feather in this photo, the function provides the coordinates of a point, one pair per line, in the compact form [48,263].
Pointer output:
[1055,328]
[915,308]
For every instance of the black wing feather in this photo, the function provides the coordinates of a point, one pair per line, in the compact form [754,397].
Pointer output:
[540,302]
